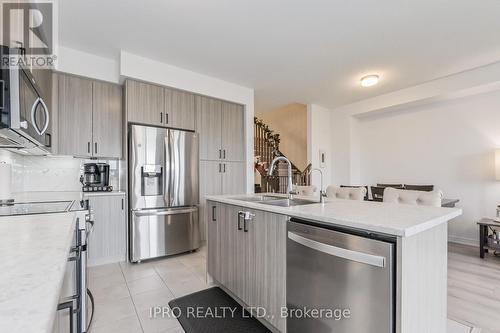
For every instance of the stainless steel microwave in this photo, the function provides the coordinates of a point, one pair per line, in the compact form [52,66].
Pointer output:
[24,113]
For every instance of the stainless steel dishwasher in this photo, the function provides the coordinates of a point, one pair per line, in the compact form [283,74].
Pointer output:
[339,280]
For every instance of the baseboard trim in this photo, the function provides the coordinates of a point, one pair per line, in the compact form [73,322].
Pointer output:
[105,261]
[463,240]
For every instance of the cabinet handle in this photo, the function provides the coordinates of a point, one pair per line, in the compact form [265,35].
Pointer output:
[88,147]
[213,213]
[95,146]
[68,305]
[166,116]
[220,153]
[220,168]
[240,215]
[224,167]
[123,205]
[161,117]
[245,226]
[224,155]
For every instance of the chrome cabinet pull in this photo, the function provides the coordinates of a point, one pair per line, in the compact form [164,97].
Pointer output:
[224,167]
[161,117]
[95,146]
[220,167]
[213,213]
[88,147]
[166,116]
[224,154]
[360,257]
[220,153]
[240,215]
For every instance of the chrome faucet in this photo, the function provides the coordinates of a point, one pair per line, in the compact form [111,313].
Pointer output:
[322,194]
[289,189]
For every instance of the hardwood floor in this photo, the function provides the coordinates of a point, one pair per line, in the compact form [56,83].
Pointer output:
[474,288]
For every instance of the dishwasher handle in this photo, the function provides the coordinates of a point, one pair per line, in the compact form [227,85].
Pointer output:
[356,256]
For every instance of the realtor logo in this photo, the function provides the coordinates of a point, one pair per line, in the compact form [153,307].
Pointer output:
[28,25]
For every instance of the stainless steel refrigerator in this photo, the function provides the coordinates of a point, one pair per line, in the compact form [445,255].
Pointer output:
[163,192]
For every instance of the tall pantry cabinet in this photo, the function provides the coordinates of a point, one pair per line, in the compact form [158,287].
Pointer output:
[221,126]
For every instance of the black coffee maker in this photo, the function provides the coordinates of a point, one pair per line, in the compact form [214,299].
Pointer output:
[95,178]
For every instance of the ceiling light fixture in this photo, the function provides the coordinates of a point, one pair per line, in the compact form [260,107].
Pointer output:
[369,80]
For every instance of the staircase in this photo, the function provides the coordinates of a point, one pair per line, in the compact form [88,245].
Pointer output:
[266,148]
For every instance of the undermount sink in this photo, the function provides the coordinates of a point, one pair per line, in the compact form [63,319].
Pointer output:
[257,198]
[287,202]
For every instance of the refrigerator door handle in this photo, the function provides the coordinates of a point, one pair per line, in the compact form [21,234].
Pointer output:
[168,169]
[360,257]
[155,212]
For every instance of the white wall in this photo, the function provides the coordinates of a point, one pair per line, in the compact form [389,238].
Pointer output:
[450,144]
[86,64]
[319,139]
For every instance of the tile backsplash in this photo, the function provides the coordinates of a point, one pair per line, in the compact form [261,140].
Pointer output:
[54,173]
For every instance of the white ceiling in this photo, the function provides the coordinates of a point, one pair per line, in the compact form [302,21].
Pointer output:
[307,51]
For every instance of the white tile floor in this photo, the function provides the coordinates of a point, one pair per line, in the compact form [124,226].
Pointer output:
[125,292]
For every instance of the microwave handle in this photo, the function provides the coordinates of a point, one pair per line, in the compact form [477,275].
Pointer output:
[47,116]
[33,111]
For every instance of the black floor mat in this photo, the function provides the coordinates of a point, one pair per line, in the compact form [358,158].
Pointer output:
[214,311]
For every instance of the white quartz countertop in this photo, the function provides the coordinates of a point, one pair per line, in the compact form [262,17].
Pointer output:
[387,218]
[33,258]
[102,194]
[47,196]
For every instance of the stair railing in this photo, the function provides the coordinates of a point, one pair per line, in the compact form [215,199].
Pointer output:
[266,145]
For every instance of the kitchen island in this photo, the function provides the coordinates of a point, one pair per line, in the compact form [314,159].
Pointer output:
[247,256]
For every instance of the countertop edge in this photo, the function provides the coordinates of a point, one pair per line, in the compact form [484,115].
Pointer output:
[64,261]
[103,194]
[398,232]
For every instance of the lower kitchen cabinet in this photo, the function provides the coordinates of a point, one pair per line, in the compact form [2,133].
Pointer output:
[213,213]
[108,239]
[247,255]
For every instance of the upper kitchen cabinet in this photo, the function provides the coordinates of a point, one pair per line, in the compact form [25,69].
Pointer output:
[145,103]
[180,109]
[222,130]
[209,127]
[74,116]
[233,132]
[107,120]
[89,118]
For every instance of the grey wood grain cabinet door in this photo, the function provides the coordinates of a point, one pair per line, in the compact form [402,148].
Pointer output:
[210,184]
[208,125]
[74,116]
[215,213]
[230,251]
[107,120]
[108,241]
[233,132]
[267,265]
[233,177]
[180,109]
[145,103]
